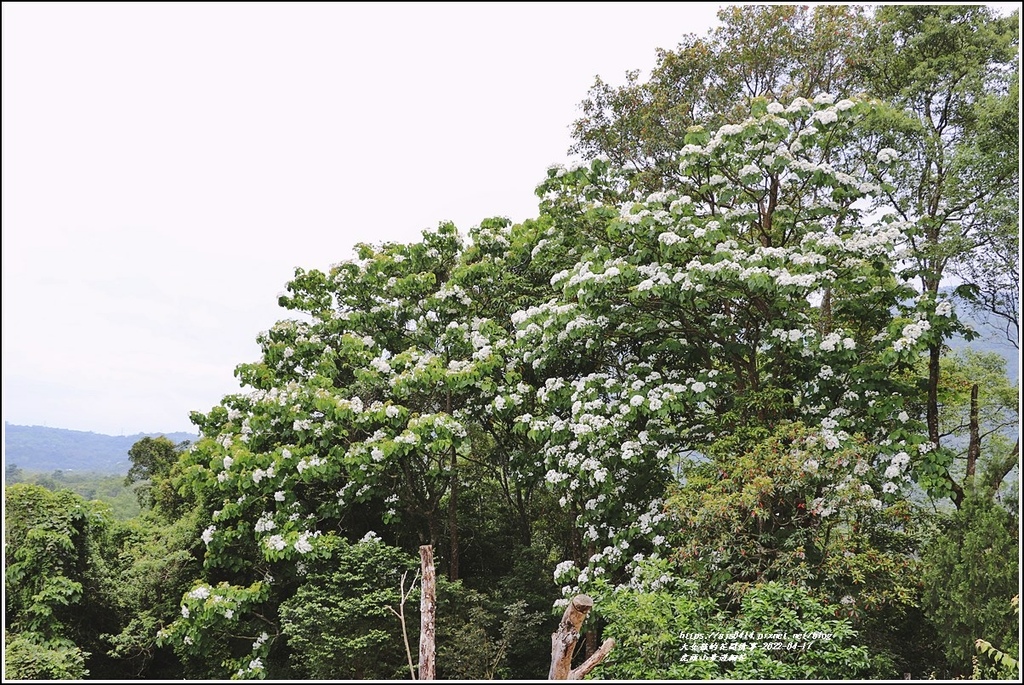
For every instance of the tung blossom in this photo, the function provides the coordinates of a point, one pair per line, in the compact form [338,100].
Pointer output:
[302,545]
[887,155]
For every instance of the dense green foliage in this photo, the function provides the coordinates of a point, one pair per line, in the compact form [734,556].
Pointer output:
[109,489]
[709,385]
[968,580]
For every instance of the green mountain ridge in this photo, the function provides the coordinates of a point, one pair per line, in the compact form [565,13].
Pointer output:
[40,448]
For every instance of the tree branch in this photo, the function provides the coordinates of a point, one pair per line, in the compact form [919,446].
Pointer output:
[595,659]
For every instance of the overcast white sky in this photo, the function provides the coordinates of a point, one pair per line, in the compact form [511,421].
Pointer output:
[166,166]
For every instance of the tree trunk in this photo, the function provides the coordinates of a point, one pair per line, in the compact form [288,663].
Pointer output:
[974,447]
[428,606]
[595,658]
[934,352]
[590,643]
[453,522]
[563,640]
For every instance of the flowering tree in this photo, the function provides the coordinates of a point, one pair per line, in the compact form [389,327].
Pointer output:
[756,292]
[593,353]
[370,411]
[774,51]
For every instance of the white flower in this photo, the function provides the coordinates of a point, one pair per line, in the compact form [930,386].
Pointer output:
[370,537]
[229,614]
[563,568]
[208,534]
[302,545]
[903,417]
[256,664]
[227,462]
[749,170]
[944,308]
[826,116]
[775,108]
[184,611]
[276,542]
[265,524]
[698,387]
[201,592]
[887,155]
[279,495]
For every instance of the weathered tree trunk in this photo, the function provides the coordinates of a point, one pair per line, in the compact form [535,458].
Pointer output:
[563,642]
[595,658]
[428,606]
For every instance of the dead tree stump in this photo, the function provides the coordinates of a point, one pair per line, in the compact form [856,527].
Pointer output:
[563,642]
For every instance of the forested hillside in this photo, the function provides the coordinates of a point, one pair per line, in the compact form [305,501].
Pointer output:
[40,448]
[712,385]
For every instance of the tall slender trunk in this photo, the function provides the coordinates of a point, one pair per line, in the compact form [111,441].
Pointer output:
[934,352]
[428,608]
[974,447]
[453,523]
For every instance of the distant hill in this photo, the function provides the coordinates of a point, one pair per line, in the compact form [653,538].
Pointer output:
[991,337]
[38,448]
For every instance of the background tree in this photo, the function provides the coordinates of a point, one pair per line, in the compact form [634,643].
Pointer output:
[946,70]
[778,52]
[153,460]
[971,573]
